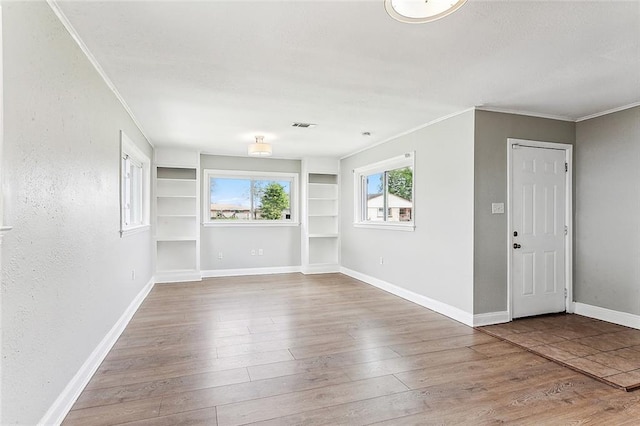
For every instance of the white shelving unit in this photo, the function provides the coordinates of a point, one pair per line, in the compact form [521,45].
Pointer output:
[177,216]
[320,226]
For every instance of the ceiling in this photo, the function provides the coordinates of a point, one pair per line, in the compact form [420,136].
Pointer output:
[209,75]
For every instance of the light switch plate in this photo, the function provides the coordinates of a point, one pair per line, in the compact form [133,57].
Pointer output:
[497,208]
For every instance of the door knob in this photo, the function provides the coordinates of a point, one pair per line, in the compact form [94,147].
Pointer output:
[516,246]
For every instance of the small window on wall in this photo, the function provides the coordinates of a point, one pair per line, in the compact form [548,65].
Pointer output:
[250,198]
[134,187]
[385,194]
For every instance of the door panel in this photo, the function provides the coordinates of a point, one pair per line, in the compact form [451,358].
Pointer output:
[538,217]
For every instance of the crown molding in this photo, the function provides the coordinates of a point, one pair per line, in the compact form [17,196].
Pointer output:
[415,129]
[526,113]
[607,112]
[53,4]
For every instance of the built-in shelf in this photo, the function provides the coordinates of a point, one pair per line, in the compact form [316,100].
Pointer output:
[177,221]
[320,240]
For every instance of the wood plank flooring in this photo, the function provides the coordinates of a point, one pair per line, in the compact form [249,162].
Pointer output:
[325,349]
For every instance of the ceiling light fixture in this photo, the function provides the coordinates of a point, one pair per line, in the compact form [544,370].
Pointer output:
[260,148]
[419,11]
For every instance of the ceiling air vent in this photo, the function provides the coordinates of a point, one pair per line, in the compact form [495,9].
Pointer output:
[304,125]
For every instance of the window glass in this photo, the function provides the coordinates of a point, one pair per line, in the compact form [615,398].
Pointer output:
[250,198]
[134,187]
[135,201]
[399,190]
[374,185]
[230,199]
[385,193]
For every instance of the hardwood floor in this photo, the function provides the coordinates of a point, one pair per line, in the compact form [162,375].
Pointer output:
[325,349]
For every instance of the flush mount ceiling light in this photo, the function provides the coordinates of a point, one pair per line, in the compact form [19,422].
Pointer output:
[260,148]
[419,11]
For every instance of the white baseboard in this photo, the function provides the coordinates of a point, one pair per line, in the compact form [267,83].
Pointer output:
[177,277]
[325,268]
[61,406]
[604,314]
[249,271]
[435,305]
[490,318]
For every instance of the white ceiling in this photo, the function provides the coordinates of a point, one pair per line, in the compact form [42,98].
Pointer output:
[210,75]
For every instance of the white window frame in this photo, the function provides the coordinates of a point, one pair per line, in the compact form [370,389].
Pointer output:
[130,154]
[246,174]
[360,193]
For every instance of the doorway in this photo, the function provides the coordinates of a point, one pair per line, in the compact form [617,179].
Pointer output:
[540,227]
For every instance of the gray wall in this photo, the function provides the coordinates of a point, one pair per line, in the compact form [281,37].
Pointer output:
[607,256]
[280,244]
[435,260]
[490,231]
[66,271]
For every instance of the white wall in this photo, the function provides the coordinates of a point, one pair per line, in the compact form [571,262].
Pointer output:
[66,271]
[280,244]
[436,260]
[607,258]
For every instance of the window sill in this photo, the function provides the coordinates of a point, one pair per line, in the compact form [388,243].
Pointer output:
[134,230]
[248,224]
[388,226]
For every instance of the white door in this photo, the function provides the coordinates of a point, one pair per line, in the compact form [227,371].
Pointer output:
[538,223]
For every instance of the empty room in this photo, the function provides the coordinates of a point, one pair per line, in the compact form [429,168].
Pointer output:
[340,212]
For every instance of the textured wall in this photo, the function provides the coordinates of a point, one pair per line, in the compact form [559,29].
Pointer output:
[435,260]
[490,230]
[607,257]
[281,244]
[66,271]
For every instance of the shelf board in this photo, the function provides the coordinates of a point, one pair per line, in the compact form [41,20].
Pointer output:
[322,215]
[323,235]
[175,180]
[170,239]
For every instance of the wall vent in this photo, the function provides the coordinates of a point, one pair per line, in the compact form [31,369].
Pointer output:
[304,125]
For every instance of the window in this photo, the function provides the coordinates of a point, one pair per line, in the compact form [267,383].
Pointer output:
[244,197]
[134,187]
[385,194]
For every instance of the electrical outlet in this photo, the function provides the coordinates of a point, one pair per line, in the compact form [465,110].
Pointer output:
[253,252]
[260,252]
[220,255]
[133,274]
[381,260]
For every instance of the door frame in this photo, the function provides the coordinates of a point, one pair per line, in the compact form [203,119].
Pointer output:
[568,273]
